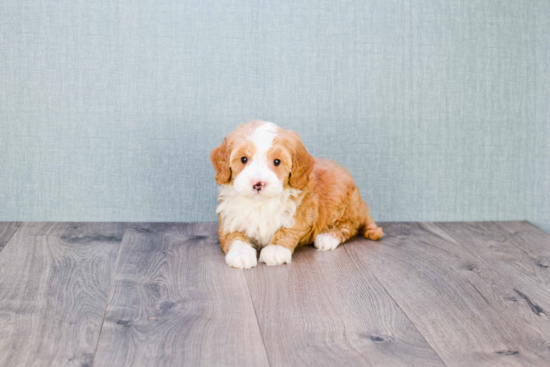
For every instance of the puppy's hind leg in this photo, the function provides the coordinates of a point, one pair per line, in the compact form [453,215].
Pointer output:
[332,238]
[371,231]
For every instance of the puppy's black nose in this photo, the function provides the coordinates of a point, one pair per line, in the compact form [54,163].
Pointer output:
[258,186]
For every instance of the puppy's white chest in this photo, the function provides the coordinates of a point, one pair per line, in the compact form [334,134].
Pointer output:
[258,219]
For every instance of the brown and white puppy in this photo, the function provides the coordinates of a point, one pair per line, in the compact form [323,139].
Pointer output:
[274,196]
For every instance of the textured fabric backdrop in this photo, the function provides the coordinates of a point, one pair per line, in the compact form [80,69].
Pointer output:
[109,109]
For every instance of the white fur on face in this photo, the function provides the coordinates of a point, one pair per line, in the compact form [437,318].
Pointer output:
[257,169]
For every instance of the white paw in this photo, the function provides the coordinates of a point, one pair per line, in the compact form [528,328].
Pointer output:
[275,255]
[325,241]
[241,255]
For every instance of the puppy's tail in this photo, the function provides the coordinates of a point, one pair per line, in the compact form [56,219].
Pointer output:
[371,231]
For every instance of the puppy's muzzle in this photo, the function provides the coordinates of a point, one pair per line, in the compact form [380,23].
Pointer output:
[258,186]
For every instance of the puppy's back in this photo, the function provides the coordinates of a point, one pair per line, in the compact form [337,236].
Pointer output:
[332,181]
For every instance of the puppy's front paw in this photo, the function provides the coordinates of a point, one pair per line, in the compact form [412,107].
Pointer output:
[275,255]
[241,255]
[325,241]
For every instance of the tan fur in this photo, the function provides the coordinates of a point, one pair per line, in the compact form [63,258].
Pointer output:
[226,239]
[329,200]
[225,158]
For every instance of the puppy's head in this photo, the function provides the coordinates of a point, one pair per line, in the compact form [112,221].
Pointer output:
[261,160]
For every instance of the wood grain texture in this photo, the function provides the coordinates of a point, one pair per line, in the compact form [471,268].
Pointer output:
[327,309]
[518,252]
[54,285]
[174,302]
[7,230]
[534,248]
[468,313]
[470,293]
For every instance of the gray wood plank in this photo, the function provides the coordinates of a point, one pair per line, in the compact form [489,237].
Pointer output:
[462,306]
[174,302]
[519,261]
[327,309]
[7,230]
[534,244]
[54,285]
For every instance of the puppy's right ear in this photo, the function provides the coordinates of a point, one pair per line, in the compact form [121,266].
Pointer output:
[220,160]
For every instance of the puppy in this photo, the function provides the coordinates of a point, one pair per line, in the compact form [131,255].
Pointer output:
[274,196]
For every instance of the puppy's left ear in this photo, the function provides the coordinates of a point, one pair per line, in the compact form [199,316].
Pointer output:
[302,163]
[220,160]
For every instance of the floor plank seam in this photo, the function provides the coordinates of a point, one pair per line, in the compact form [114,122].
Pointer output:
[463,294]
[13,234]
[407,316]
[514,234]
[257,320]
[464,248]
[533,307]
[476,255]
[110,290]
[458,243]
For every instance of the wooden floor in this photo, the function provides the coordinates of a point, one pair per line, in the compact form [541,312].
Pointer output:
[160,294]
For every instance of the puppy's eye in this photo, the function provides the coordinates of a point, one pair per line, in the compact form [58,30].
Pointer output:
[244,160]
[276,162]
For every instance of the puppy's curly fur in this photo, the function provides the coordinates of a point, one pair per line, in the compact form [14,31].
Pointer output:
[275,196]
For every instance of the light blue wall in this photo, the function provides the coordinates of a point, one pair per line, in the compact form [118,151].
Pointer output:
[109,109]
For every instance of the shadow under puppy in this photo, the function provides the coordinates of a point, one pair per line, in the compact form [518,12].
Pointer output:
[274,196]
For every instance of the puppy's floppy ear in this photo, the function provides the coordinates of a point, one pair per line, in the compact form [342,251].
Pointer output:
[302,162]
[220,160]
